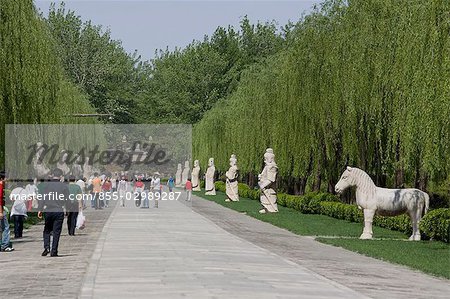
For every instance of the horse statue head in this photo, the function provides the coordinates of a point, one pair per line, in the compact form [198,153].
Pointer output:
[353,176]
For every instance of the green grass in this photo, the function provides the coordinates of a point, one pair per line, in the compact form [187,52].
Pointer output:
[432,257]
[298,223]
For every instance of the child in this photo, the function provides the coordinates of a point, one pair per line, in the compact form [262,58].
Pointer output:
[188,188]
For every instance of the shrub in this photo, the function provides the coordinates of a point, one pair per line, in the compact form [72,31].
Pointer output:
[436,225]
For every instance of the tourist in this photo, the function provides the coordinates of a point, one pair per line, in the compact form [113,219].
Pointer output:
[106,188]
[114,182]
[18,196]
[96,189]
[156,188]
[5,245]
[82,183]
[188,188]
[122,190]
[170,183]
[52,208]
[138,190]
[74,205]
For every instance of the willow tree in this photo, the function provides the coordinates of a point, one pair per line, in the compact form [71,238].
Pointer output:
[33,85]
[364,83]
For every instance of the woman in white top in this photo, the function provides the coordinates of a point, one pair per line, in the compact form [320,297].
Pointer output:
[19,209]
[122,190]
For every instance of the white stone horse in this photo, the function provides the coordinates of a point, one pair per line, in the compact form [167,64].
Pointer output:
[385,202]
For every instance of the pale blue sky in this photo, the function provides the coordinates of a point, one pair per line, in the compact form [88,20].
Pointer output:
[150,25]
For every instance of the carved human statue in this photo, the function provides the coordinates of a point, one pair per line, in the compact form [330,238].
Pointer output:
[195,176]
[232,182]
[266,182]
[210,188]
[185,173]
[40,168]
[76,170]
[87,168]
[178,176]
[62,163]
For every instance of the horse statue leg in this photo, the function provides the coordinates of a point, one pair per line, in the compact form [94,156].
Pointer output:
[368,219]
[416,216]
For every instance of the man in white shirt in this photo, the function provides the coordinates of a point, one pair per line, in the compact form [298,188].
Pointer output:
[156,188]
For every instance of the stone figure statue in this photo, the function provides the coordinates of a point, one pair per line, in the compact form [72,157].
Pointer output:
[195,176]
[266,182]
[385,202]
[40,167]
[210,188]
[231,181]
[178,176]
[185,173]
[77,170]
[62,164]
[87,168]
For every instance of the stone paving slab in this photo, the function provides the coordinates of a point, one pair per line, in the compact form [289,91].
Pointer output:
[369,276]
[26,274]
[173,252]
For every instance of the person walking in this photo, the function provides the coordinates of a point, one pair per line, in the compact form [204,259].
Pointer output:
[74,205]
[156,188]
[18,196]
[106,189]
[96,189]
[5,245]
[51,207]
[122,190]
[170,183]
[188,188]
[82,183]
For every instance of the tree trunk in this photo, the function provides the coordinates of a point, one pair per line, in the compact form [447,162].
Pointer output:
[399,178]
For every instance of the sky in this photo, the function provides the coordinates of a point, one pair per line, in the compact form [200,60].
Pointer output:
[147,25]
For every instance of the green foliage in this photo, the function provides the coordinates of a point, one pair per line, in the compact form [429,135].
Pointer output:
[33,85]
[360,83]
[187,82]
[436,225]
[112,79]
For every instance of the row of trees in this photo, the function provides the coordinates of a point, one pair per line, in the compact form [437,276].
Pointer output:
[175,86]
[33,85]
[363,83]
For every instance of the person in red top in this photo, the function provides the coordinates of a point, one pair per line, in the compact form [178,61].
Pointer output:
[138,189]
[188,188]
[106,187]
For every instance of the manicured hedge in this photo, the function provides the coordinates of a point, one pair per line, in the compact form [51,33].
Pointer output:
[434,225]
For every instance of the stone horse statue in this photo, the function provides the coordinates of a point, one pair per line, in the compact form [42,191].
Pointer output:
[385,202]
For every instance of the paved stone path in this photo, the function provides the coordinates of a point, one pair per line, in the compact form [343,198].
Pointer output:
[174,252]
[369,276]
[26,274]
[199,250]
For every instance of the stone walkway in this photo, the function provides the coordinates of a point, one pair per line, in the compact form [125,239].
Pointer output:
[369,276]
[26,274]
[174,252]
[199,250]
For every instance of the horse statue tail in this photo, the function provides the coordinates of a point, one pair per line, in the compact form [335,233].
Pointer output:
[427,203]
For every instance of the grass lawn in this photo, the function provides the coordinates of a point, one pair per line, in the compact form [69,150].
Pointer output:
[428,256]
